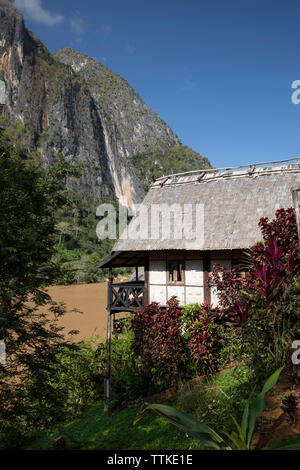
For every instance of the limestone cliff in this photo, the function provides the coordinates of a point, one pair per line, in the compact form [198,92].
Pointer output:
[69,104]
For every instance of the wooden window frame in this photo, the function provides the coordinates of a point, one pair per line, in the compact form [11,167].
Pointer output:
[176,283]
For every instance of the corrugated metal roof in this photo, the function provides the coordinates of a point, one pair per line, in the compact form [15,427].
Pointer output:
[233,202]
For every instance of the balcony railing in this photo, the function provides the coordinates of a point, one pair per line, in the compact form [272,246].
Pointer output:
[126,296]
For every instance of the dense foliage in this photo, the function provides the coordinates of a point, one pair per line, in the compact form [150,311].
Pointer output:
[172,344]
[77,247]
[127,380]
[201,335]
[159,343]
[262,295]
[266,269]
[241,437]
[164,160]
[29,200]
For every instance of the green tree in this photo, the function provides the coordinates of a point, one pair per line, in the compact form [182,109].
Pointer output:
[29,200]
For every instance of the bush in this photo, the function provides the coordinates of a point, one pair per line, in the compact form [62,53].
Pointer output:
[201,335]
[220,397]
[270,265]
[232,346]
[127,382]
[159,345]
[77,376]
[173,345]
[59,393]
[271,331]
[264,299]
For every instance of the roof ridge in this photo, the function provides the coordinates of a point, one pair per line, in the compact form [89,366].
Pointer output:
[251,166]
[251,170]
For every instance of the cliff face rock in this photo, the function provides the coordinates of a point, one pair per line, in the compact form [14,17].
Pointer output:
[72,105]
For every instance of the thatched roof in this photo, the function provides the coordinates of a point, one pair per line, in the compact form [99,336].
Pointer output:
[233,200]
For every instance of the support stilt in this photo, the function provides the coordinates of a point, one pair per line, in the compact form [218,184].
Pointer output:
[107,378]
[108,345]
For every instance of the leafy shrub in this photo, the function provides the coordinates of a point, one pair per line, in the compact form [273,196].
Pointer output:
[232,346]
[58,393]
[271,331]
[201,335]
[159,345]
[263,299]
[127,382]
[270,265]
[78,376]
[241,437]
[284,229]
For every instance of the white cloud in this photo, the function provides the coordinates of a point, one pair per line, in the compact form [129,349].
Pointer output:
[35,12]
[77,24]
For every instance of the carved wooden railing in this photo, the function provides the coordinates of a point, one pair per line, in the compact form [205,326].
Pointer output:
[126,296]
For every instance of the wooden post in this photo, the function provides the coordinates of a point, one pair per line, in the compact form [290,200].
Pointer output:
[136,274]
[108,344]
[146,279]
[206,270]
[296,202]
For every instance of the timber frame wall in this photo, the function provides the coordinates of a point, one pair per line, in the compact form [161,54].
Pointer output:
[202,261]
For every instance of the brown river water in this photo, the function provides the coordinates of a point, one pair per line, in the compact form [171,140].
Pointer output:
[91,300]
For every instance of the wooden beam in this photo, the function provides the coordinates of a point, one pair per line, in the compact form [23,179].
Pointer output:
[206,270]
[146,279]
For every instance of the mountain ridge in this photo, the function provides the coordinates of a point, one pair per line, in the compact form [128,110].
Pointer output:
[72,105]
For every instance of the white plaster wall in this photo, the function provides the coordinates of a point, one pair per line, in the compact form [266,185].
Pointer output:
[157,294]
[214,300]
[160,292]
[157,272]
[194,295]
[178,291]
[194,273]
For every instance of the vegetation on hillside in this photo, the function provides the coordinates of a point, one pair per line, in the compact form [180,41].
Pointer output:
[77,247]
[163,160]
[241,438]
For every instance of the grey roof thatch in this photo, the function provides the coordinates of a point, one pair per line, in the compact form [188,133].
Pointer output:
[233,202]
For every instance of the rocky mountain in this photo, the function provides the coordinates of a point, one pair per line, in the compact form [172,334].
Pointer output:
[72,105]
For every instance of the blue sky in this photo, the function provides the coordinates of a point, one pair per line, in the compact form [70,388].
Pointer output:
[218,72]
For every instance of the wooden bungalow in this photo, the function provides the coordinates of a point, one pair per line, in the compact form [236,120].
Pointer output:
[233,201]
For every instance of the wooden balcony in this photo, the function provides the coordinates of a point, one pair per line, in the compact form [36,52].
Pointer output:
[126,296]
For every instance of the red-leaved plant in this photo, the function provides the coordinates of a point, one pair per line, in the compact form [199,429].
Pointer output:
[158,342]
[272,263]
